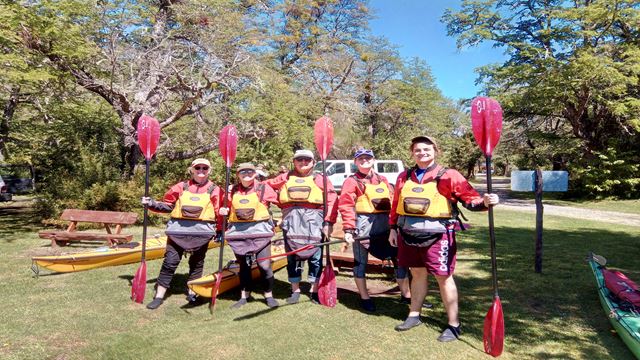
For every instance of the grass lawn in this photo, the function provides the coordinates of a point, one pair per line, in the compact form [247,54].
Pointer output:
[88,315]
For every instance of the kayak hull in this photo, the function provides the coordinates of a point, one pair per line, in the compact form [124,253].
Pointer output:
[626,324]
[103,257]
[231,277]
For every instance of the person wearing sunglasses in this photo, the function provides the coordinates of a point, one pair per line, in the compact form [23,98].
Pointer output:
[193,206]
[424,216]
[364,204]
[303,219]
[250,229]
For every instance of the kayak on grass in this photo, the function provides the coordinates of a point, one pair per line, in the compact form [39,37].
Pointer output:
[231,276]
[121,254]
[623,313]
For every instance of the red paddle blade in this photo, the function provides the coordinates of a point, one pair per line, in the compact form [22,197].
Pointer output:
[494,329]
[486,122]
[214,291]
[228,144]
[148,135]
[139,284]
[323,136]
[327,289]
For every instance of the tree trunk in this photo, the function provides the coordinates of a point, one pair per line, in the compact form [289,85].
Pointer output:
[7,114]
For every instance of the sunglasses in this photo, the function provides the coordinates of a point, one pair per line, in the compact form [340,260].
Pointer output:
[301,159]
[246,171]
[201,168]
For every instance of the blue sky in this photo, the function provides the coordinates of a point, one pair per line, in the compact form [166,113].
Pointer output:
[415,27]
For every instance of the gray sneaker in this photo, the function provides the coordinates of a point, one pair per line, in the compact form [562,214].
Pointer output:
[411,322]
[240,303]
[155,303]
[294,298]
[271,302]
[451,333]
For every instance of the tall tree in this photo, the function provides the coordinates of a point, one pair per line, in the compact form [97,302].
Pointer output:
[572,70]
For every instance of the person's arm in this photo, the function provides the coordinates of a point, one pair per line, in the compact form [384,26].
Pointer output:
[270,196]
[168,200]
[332,200]
[459,189]
[277,182]
[393,215]
[347,203]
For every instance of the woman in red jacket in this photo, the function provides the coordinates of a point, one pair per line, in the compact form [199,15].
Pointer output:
[250,229]
[364,204]
[193,206]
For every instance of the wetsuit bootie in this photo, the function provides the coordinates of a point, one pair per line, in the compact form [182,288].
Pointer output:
[404,300]
[240,303]
[271,302]
[155,303]
[451,333]
[294,298]
[411,322]
[367,305]
[314,298]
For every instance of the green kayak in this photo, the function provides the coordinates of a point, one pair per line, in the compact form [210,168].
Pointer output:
[626,323]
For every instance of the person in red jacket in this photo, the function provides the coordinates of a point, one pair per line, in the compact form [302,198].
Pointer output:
[303,221]
[250,229]
[364,204]
[193,205]
[423,218]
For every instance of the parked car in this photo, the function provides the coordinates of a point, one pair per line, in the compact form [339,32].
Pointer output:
[19,179]
[5,195]
[339,170]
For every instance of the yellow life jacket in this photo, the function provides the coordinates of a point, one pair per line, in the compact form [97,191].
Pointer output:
[192,206]
[424,200]
[249,207]
[375,198]
[301,190]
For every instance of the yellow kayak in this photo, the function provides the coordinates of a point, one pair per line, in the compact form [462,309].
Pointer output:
[122,254]
[231,276]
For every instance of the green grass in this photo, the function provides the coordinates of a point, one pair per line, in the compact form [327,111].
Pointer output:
[88,315]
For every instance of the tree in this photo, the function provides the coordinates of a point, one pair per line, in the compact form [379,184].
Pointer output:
[572,72]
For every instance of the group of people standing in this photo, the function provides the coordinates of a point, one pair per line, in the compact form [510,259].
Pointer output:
[413,224]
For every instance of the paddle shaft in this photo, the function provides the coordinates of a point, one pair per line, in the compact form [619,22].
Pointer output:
[492,236]
[224,219]
[306,247]
[145,220]
[324,205]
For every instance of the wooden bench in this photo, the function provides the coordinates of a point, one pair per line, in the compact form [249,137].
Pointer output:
[106,218]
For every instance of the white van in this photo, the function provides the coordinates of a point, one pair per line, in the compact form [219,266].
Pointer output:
[339,170]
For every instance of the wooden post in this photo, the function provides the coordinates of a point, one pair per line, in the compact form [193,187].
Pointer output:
[539,213]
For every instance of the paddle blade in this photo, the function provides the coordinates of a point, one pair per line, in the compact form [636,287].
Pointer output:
[486,123]
[214,291]
[323,136]
[148,135]
[228,144]
[327,289]
[494,329]
[139,284]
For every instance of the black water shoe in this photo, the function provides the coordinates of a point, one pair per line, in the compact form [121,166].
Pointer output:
[411,322]
[367,305]
[314,298]
[451,333]
[155,303]
[404,300]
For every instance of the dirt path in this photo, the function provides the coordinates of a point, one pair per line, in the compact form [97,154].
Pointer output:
[502,186]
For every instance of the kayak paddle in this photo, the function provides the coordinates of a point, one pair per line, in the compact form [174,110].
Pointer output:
[323,137]
[228,143]
[486,123]
[148,137]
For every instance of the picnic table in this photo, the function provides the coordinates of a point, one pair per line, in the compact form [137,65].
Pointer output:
[105,218]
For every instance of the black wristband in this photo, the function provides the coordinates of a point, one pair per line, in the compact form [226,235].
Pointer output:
[393,227]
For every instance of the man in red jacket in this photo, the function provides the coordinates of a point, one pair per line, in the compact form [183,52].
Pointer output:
[423,218]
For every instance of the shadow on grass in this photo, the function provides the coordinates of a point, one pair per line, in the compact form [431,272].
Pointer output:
[550,307]
[17,218]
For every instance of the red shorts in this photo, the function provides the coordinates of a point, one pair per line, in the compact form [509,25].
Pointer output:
[439,258]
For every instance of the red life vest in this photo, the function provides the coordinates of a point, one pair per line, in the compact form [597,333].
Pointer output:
[622,287]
